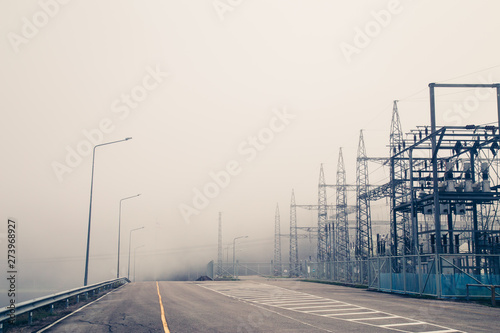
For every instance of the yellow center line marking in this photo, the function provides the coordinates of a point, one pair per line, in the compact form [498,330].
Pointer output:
[165,326]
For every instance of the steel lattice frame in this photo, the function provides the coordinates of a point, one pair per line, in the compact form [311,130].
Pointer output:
[277,243]
[399,222]
[342,252]
[322,217]
[364,243]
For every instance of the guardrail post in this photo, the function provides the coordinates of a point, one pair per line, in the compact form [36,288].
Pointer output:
[77,299]
[438,275]
[378,264]
[420,270]
[30,317]
[390,272]
[493,301]
[368,267]
[86,295]
[404,272]
[52,309]
[467,289]
[67,303]
[1,327]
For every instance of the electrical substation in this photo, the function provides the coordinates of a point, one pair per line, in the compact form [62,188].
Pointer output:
[443,194]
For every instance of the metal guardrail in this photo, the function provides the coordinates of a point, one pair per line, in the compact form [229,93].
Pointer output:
[7,312]
[489,286]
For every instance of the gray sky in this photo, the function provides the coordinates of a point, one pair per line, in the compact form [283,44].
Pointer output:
[262,91]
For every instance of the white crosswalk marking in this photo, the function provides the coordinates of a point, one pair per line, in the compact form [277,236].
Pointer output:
[276,297]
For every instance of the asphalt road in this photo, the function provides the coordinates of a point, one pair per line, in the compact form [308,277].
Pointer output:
[272,306]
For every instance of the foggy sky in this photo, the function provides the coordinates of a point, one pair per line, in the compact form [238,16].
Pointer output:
[263,90]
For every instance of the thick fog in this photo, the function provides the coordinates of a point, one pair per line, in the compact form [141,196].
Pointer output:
[230,105]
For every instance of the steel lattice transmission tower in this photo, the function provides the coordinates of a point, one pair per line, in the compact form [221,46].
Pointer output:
[322,217]
[400,228]
[342,225]
[294,250]
[219,247]
[277,243]
[364,243]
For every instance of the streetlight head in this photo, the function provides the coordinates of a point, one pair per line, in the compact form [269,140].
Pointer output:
[129,138]
[139,194]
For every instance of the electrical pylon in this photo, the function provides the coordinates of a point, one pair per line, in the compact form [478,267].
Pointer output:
[277,243]
[400,228]
[364,244]
[342,226]
[219,248]
[322,217]
[294,250]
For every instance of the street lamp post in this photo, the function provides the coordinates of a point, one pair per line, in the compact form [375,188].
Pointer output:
[234,253]
[85,279]
[129,243]
[119,226]
[135,249]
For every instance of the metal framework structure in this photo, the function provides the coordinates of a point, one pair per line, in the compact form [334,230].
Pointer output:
[444,199]
[319,230]
[294,250]
[277,243]
[322,217]
[364,242]
[342,248]
[446,174]
[399,222]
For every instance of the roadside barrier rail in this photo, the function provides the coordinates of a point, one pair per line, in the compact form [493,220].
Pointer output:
[11,311]
[492,287]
